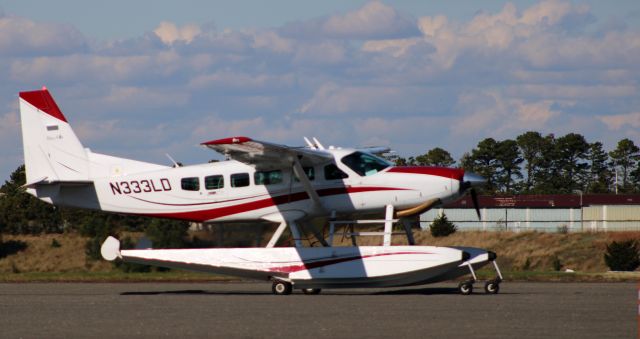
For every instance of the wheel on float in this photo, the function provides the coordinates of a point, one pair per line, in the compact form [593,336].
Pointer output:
[465,288]
[492,287]
[281,288]
[311,291]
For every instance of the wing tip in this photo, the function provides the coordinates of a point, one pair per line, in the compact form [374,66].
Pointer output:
[110,249]
[227,141]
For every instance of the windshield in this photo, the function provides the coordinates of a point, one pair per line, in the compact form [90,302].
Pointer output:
[364,164]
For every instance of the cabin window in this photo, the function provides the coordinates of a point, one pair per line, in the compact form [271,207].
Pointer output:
[214,182]
[240,180]
[267,177]
[190,184]
[310,171]
[332,172]
[364,164]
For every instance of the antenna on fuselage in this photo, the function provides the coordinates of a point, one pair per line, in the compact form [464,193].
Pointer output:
[309,143]
[318,144]
[175,164]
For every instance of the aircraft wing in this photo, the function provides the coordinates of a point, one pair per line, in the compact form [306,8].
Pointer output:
[266,155]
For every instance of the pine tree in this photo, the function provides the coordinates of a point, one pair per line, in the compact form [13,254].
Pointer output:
[625,158]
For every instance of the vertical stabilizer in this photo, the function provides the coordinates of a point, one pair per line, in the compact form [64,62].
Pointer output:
[52,151]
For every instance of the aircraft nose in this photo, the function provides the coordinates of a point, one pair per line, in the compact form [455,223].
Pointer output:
[471,179]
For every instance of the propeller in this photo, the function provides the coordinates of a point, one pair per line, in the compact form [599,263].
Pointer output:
[474,199]
[469,182]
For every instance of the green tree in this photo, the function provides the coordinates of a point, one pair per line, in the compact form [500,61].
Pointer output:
[442,227]
[532,145]
[482,160]
[508,160]
[400,161]
[635,177]
[165,233]
[600,173]
[21,213]
[546,173]
[436,157]
[571,162]
[623,256]
[625,159]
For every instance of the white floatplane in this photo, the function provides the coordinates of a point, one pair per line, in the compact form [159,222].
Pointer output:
[266,182]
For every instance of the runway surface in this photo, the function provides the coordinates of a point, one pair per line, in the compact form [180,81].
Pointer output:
[521,310]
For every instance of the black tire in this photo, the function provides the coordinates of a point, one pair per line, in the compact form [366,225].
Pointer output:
[281,288]
[492,287]
[311,291]
[465,288]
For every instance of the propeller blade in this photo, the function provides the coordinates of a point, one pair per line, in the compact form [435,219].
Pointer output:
[474,199]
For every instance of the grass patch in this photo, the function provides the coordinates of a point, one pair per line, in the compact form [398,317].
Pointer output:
[186,276]
[112,276]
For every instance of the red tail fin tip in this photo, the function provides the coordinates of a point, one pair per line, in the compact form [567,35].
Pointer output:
[43,101]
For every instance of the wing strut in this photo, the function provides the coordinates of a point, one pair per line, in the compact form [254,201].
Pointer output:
[277,234]
[304,180]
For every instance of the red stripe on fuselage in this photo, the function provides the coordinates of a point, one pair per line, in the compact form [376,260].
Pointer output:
[209,214]
[332,261]
[452,173]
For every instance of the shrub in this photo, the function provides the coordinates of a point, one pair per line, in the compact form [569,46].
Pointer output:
[555,263]
[167,233]
[10,247]
[564,229]
[55,243]
[92,248]
[623,256]
[442,227]
[125,244]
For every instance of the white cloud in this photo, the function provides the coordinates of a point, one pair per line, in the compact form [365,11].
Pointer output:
[227,80]
[488,113]
[169,33]
[89,131]
[324,53]
[374,20]
[96,68]
[619,121]
[24,37]
[335,100]
[9,126]
[272,41]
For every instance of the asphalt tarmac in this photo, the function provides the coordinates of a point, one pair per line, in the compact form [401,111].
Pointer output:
[249,310]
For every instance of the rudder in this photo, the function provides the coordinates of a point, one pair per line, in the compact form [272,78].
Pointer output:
[52,151]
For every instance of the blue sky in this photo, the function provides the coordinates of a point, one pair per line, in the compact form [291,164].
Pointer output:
[140,81]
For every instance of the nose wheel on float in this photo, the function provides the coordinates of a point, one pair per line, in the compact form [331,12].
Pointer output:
[280,287]
[490,286]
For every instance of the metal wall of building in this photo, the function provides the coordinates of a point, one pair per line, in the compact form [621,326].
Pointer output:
[591,218]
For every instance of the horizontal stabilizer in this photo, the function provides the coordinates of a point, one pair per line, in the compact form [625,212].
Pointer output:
[44,181]
[110,249]
[33,184]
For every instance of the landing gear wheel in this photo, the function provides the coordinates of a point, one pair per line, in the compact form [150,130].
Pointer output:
[492,287]
[311,291]
[281,288]
[465,287]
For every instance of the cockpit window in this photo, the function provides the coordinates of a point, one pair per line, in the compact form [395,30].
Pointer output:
[364,164]
[332,172]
